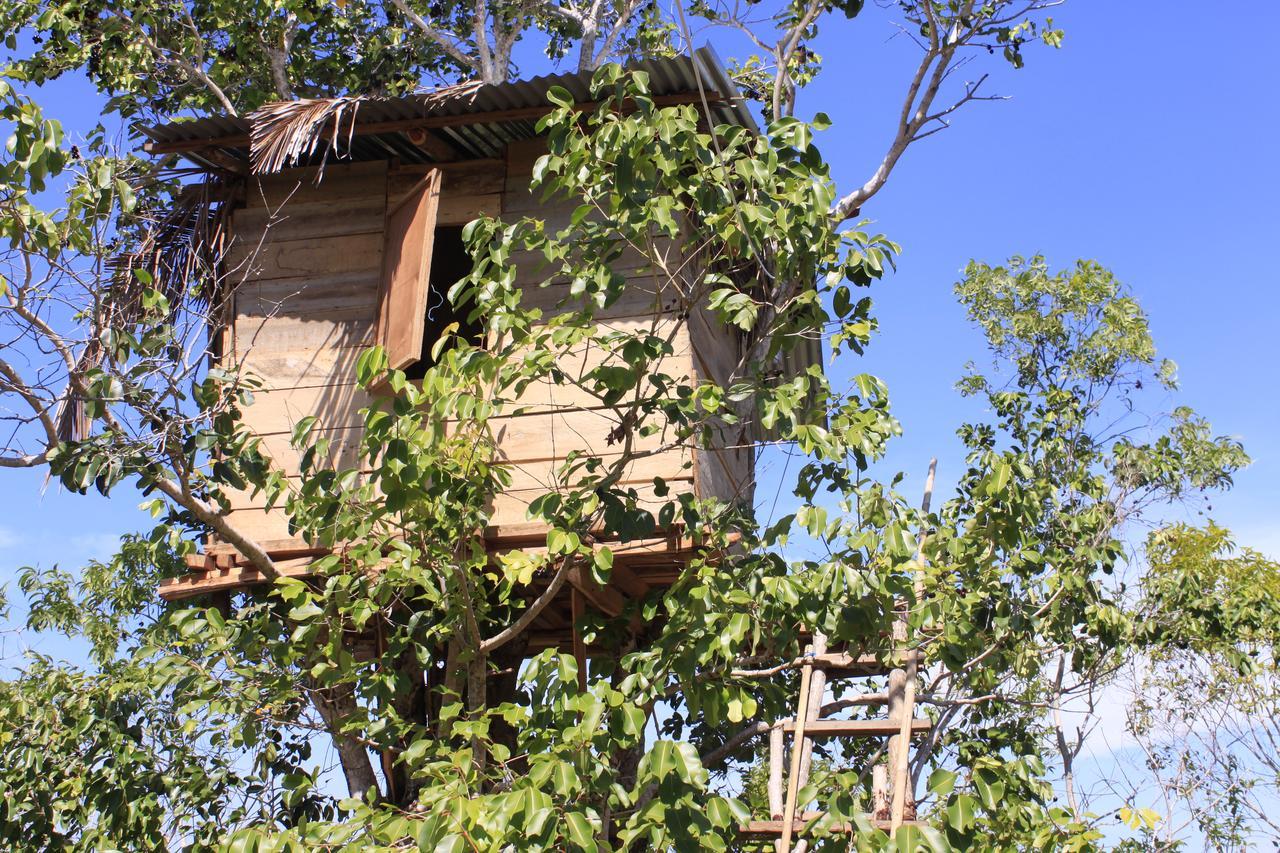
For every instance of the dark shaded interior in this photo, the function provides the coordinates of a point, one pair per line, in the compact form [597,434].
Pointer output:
[450,262]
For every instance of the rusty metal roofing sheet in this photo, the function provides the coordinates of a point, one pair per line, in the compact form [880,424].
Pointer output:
[668,76]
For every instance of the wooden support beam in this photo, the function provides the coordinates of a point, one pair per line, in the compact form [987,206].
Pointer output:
[436,147]
[628,581]
[638,566]
[606,599]
[242,140]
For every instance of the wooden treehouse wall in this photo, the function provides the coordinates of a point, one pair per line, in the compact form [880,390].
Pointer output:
[307,262]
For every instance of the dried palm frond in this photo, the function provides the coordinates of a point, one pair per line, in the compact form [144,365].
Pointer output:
[178,253]
[179,248]
[464,92]
[288,132]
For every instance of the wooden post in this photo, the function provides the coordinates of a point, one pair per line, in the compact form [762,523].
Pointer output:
[777,746]
[813,708]
[793,781]
[902,767]
[880,791]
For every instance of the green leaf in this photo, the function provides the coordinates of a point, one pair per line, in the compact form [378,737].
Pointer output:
[580,831]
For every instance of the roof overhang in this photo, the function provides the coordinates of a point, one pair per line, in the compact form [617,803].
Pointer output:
[462,122]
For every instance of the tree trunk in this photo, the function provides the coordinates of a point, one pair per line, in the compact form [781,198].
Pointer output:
[335,706]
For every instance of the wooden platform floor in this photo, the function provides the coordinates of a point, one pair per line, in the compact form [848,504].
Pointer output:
[638,567]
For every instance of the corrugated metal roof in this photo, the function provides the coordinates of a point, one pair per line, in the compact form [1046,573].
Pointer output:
[667,76]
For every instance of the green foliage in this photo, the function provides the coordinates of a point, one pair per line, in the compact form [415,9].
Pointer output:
[407,644]
[1203,595]
[157,58]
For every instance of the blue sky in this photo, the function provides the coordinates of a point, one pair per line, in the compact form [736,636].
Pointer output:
[1146,142]
[1125,146]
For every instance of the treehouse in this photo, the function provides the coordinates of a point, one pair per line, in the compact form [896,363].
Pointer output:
[356,240]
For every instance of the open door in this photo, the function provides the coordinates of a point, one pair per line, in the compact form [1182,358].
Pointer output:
[406,272]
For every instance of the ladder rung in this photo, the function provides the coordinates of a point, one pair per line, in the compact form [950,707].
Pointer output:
[863,728]
[774,827]
[842,664]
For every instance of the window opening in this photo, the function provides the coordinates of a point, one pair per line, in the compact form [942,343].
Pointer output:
[450,263]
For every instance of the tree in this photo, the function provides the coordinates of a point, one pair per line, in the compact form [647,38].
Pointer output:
[1204,704]
[204,719]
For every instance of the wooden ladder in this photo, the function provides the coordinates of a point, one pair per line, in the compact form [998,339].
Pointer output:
[892,794]
[892,800]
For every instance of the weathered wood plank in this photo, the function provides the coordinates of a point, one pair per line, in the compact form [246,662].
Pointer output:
[291,334]
[405,284]
[522,154]
[725,474]
[302,368]
[305,259]
[340,182]
[547,474]
[857,728]
[296,220]
[278,411]
[717,347]
[461,178]
[339,294]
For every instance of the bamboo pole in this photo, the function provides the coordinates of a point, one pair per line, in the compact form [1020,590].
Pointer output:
[901,761]
[793,780]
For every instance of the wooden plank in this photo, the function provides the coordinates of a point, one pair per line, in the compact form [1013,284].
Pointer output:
[304,259]
[717,348]
[642,294]
[278,411]
[461,177]
[857,728]
[555,435]
[338,294]
[257,335]
[339,182]
[726,474]
[260,525]
[522,154]
[406,283]
[344,450]
[461,209]
[547,474]
[541,437]
[302,368]
[842,664]
[538,477]
[307,220]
